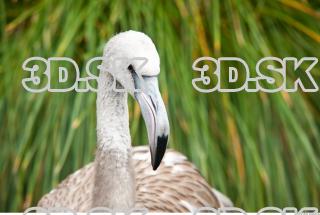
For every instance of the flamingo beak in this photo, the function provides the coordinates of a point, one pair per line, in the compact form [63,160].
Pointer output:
[155,117]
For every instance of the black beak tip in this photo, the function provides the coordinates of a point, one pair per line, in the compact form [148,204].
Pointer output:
[155,167]
[160,150]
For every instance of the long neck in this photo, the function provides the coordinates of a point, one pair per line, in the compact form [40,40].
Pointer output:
[114,186]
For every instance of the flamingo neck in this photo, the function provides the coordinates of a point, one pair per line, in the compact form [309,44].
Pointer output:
[114,186]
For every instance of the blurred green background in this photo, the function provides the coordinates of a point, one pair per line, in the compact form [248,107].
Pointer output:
[259,149]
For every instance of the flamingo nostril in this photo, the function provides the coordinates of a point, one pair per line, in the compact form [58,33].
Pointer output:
[153,104]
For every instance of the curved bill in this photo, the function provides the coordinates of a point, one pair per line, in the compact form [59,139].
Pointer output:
[156,119]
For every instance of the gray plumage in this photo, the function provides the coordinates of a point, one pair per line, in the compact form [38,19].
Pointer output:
[176,186]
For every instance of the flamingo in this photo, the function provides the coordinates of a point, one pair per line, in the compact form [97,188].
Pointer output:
[121,177]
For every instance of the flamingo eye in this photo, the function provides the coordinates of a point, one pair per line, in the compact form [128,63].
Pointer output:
[130,68]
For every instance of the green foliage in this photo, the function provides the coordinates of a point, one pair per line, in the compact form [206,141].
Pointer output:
[260,149]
